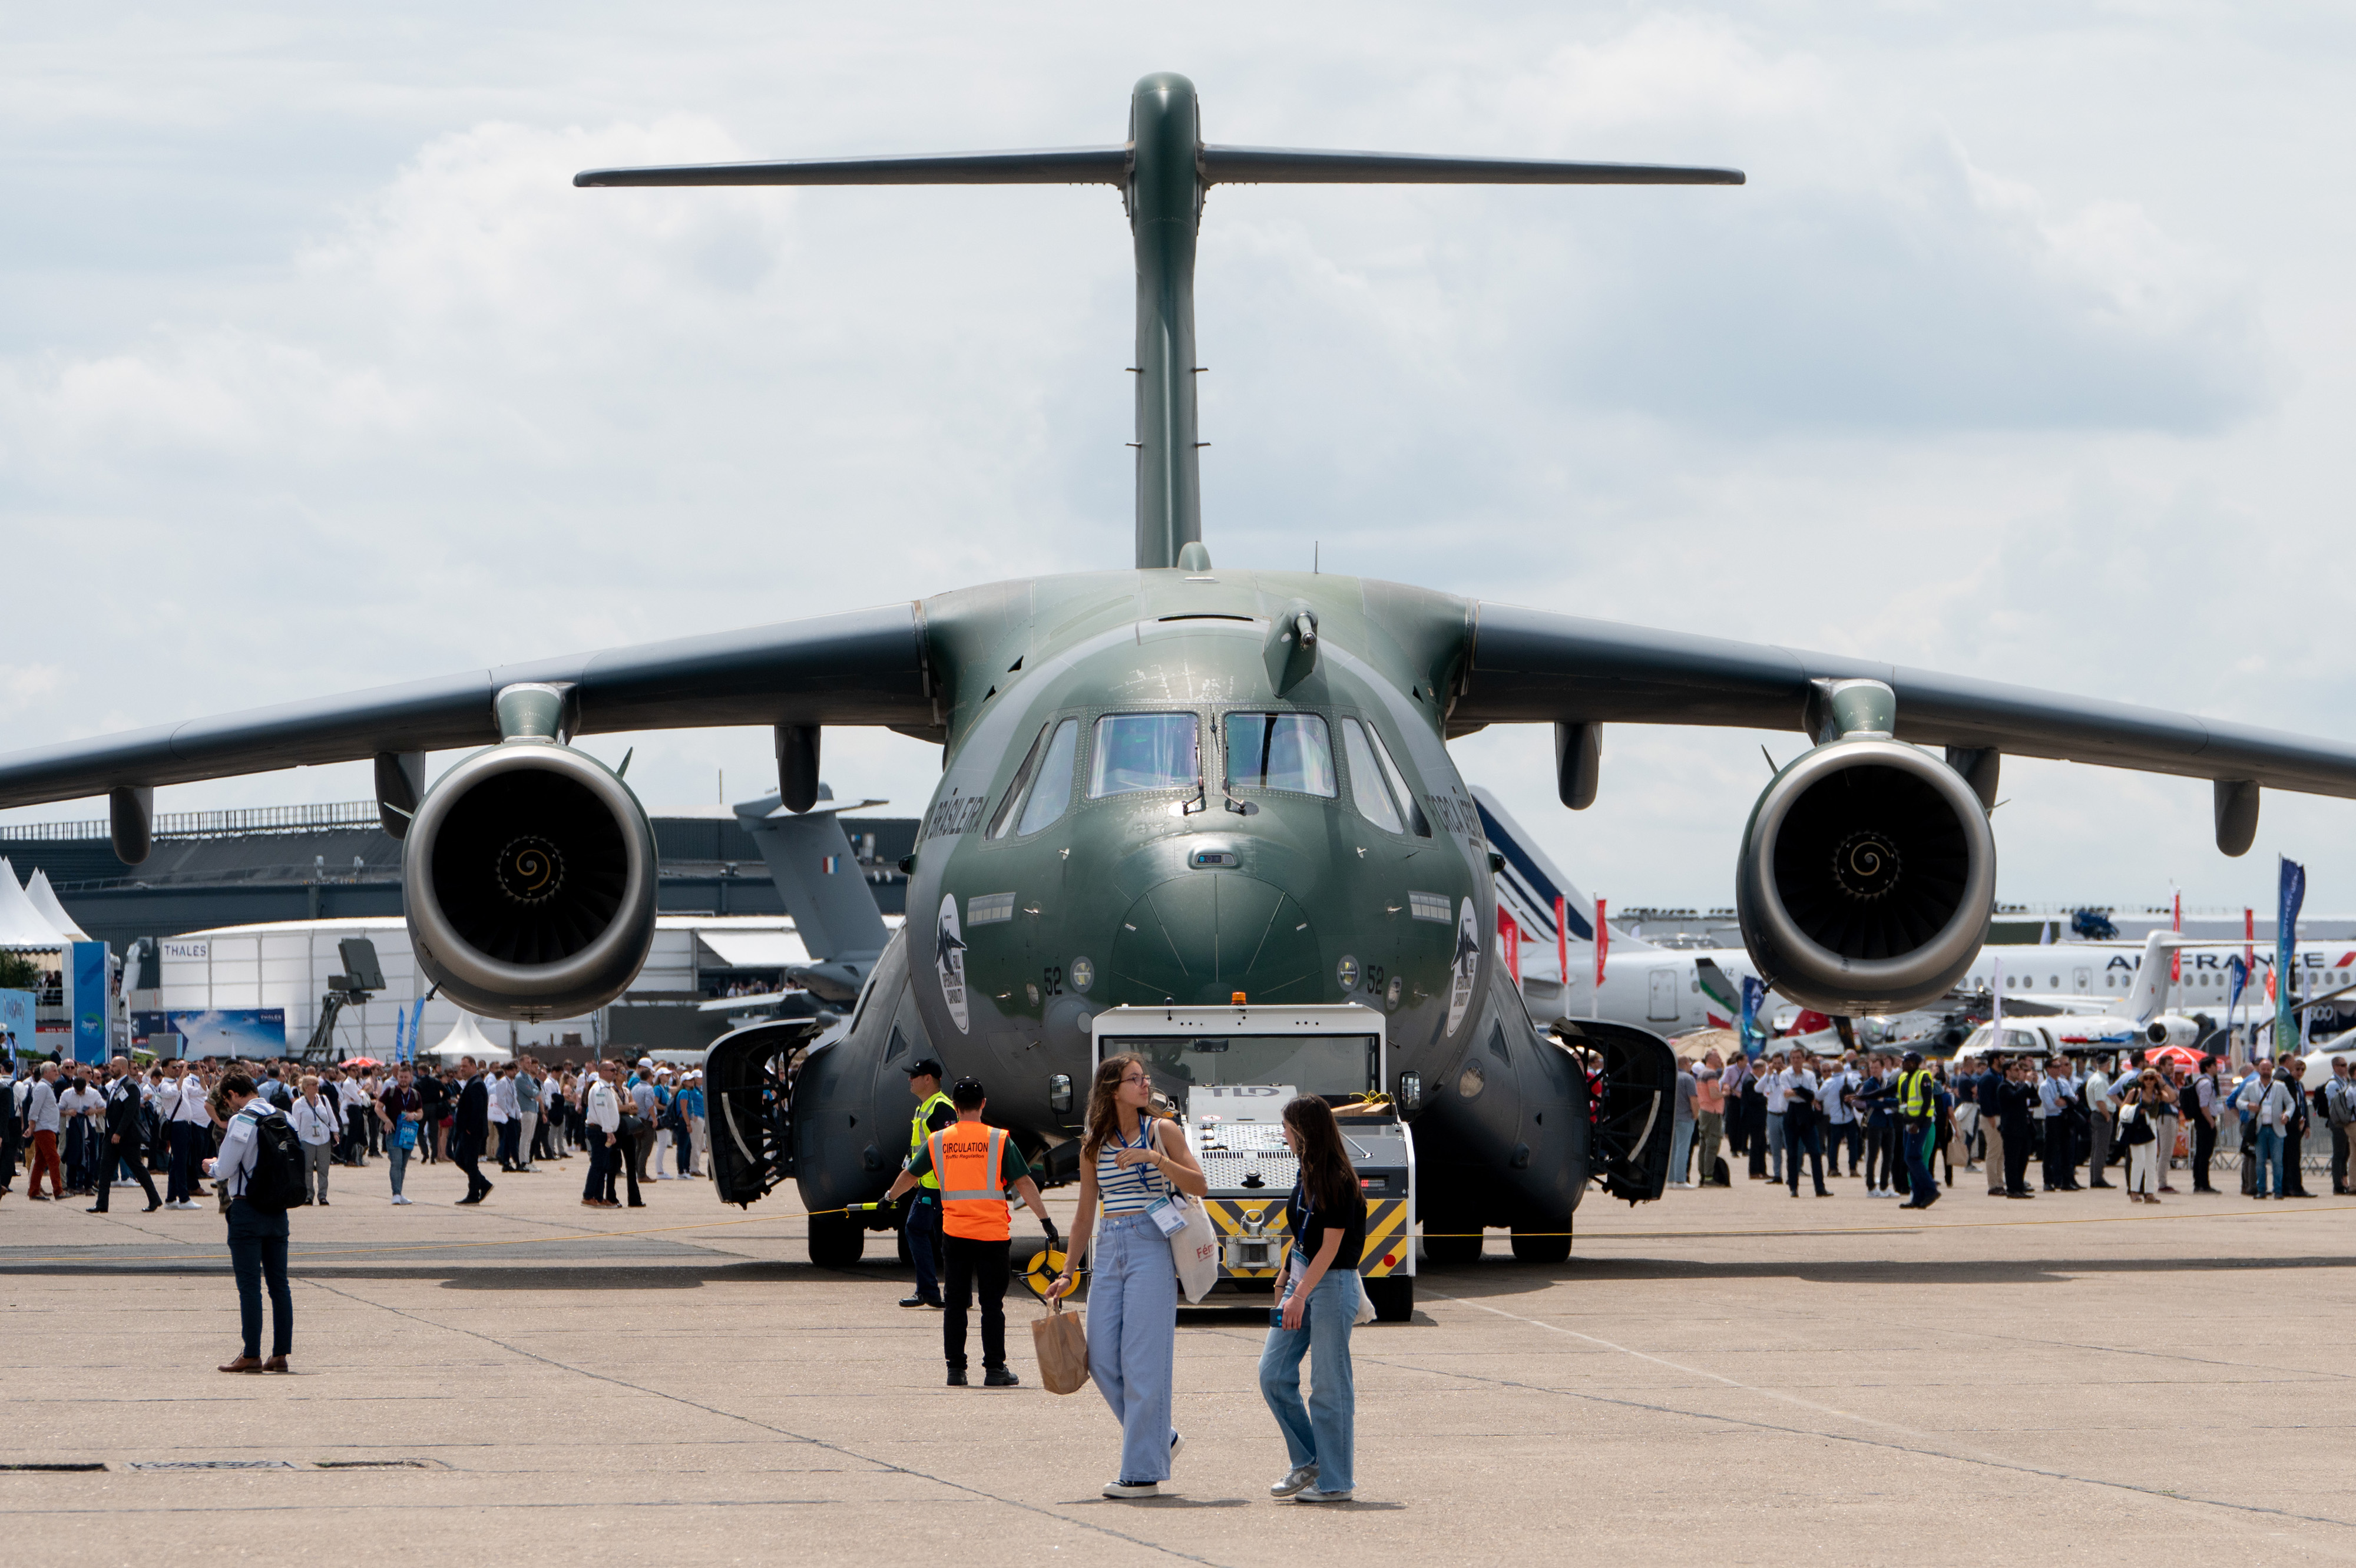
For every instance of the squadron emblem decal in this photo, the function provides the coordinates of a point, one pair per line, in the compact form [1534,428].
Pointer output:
[948,962]
[1468,964]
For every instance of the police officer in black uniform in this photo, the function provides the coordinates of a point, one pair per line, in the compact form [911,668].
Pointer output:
[121,1140]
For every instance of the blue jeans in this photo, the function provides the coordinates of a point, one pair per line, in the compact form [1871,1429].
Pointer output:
[399,1157]
[2270,1154]
[1134,1339]
[1680,1153]
[1324,1431]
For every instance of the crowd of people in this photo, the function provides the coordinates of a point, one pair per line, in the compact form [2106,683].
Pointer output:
[81,1130]
[1896,1117]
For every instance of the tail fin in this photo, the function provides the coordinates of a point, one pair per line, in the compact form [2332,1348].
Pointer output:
[809,858]
[2149,997]
[1530,883]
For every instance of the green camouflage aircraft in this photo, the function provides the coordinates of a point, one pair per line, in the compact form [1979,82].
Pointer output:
[1182,783]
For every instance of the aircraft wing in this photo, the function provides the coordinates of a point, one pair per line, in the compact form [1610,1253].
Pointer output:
[1535,666]
[867,667]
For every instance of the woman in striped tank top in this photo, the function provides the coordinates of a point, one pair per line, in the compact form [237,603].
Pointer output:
[1129,1161]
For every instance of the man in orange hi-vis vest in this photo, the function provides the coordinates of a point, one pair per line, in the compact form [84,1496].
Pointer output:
[978,1166]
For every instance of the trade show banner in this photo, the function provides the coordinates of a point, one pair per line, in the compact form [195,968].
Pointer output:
[251,1034]
[86,999]
[16,1016]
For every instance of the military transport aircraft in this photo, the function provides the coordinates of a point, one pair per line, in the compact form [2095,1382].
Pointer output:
[1188,784]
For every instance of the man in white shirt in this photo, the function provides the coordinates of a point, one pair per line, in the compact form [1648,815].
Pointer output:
[1798,1083]
[2099,1108]
[181,1103]
[504,1125]
[1770,1085]
[257,1241]
[602,1121]
[41,1132]
[317,1124]
[2268,1100]
[78,1107]
[1841,1129]
[2339,1110]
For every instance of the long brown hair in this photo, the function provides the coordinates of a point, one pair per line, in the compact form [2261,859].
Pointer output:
[1104,1105]
[1327,1176]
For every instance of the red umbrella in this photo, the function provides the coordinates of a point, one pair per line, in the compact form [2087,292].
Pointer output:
[362,1061]
[2183,1056]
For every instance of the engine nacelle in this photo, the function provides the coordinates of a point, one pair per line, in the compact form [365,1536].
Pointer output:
[530,877]
[1867,878]
[2171,1029]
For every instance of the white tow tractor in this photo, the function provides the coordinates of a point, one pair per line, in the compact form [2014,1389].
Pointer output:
[1228,1073]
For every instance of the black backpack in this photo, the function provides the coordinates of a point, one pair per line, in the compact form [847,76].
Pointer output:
[276,1183]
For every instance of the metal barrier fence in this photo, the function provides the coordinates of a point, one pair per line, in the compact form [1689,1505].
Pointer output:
[216,824]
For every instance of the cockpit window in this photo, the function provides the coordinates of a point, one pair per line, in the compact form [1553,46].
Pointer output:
[1377,784]
[1052,790]
[1142,751]
[1281,751]
[1041,785]
[1367,785]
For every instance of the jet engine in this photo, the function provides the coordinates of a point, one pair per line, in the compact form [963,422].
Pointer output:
[1867,878]
[530,877]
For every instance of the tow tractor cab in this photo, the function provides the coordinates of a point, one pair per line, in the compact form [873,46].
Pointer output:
[1228,1073]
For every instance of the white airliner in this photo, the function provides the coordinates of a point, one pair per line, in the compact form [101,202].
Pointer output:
[1670,990]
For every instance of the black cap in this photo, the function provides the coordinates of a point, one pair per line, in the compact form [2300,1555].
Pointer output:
[967,1095]
[925,1067]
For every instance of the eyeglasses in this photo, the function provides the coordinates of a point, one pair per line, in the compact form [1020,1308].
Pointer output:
[1136,1077]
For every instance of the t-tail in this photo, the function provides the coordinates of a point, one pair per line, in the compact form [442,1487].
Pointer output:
[1164,171]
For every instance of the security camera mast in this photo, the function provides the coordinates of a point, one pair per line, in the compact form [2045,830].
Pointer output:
[1177,785]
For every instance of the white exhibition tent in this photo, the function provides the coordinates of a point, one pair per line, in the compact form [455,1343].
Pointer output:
[23,927]
[468,1039]
[45,899]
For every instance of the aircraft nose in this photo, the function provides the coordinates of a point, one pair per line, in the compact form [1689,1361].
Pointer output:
[1197,938]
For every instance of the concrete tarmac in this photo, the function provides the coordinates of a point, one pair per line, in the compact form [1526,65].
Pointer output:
[1723,1377]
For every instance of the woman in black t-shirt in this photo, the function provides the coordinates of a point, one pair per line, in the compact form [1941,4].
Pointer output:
[1321,1295]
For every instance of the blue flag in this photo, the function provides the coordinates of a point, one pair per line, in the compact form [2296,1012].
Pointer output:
[1754,996]
[2293,896]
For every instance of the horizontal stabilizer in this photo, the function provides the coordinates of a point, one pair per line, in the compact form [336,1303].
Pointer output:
[1046,166]
[1113,166]
[1293,166]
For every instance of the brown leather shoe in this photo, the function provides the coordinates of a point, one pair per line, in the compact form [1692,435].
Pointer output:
[276,1364]
[243,1364]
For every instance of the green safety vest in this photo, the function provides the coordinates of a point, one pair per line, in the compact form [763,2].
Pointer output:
[919,1131]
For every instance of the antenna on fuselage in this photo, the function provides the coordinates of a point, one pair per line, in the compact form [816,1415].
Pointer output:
[1162,173]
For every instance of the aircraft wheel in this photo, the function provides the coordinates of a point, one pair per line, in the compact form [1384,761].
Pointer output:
[1394,1297]
[1540,1249]
[836,1242]
[1452,1248]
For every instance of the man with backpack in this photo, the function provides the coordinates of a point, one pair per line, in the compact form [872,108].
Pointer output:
[260,1174]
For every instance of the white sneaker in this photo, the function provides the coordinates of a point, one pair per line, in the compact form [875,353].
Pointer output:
[1294,1480]
[399,1198]
[1132,1489]
[1311,1495]
[1177,1446]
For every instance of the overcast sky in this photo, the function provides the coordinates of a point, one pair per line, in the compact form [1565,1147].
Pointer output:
[2025,353]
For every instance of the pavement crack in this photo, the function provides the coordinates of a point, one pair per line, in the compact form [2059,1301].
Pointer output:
[883,1465]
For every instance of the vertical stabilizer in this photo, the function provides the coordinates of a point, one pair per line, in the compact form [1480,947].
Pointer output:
[2149,998]
[810,859]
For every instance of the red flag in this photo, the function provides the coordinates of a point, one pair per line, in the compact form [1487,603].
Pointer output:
[2176,956]
[2249,941]
[1509,943]
[1602,943]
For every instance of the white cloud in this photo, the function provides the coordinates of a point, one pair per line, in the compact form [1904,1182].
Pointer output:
[342,382]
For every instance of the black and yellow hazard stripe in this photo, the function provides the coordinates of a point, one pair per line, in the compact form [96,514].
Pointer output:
[1389,1239]
[1390,1244]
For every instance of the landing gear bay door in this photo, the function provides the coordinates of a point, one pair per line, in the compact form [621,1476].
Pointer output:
[1630,1106]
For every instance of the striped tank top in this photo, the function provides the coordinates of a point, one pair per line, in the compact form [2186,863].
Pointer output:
[1135,1188]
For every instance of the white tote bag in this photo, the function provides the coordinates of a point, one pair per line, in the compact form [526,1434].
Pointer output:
[1194,1248]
